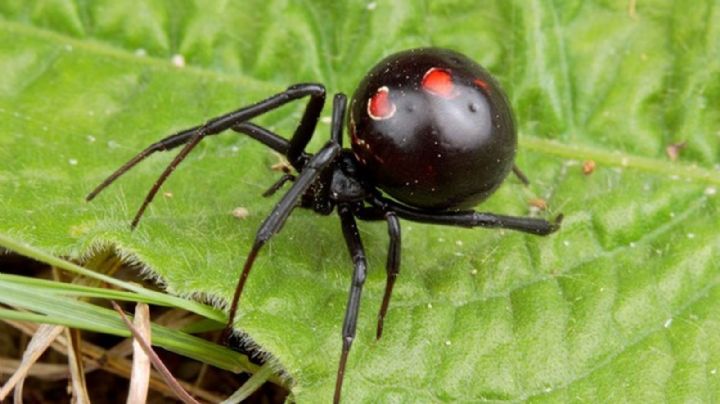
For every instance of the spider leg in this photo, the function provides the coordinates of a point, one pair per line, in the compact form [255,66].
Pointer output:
[520,175]
[264,136]
[310,172]
[191,137]
[260,134]
[535,226]
[357,254]
[274,222]
[167,143]
[392,267]
[278,184]
[338,118]
[196,138]
[339,106]
[299,141]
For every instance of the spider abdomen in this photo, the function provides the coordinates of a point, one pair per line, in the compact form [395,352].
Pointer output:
[433,129]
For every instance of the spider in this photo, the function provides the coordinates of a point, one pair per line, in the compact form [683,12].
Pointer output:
[432,135]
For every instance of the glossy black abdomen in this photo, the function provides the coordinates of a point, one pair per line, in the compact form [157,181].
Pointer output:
[432,129]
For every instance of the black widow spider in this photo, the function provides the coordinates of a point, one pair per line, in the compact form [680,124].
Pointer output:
[432,135]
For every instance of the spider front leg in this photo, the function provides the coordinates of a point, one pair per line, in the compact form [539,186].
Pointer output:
[294,149]
[274,222]
[316,166]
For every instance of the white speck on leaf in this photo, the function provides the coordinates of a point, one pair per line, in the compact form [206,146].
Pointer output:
[240,212]
[178,60]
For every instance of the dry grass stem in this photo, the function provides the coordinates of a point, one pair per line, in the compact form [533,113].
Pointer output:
[40,341]
[156,362]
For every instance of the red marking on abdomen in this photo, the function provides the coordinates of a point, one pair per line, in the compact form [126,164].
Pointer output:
[482,84]
[439,82]
[380,106]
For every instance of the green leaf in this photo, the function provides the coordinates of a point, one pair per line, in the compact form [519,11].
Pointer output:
[623,304]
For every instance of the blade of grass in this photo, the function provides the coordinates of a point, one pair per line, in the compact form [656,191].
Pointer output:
[77,290]
[73,313]
[251,385]
[189,305]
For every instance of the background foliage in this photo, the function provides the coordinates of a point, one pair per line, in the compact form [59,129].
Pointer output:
[622,304]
